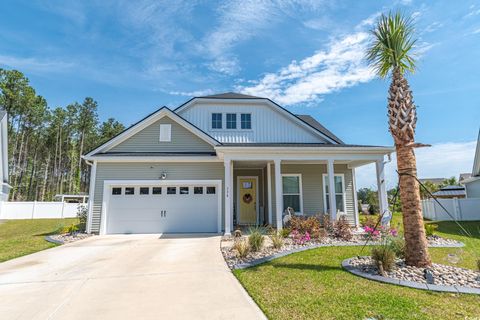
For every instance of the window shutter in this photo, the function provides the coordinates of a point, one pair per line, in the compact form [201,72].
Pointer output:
[166,132]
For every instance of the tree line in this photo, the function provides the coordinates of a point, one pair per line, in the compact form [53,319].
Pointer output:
[46,144]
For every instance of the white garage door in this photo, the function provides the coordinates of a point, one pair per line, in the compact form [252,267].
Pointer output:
[162,208]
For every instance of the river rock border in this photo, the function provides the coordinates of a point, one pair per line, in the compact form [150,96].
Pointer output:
[411,284]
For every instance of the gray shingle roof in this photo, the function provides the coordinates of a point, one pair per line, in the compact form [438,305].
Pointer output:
[289,144]
[317,125]
[154,154]
[451,191]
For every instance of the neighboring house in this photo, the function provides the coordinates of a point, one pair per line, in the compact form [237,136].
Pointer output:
[435,181]
[4,187]
[71,198]
[220,161]
[450,192]
[472,184]
[464,176]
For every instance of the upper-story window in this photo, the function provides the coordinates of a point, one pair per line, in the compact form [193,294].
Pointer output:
[231,121]
[216,121]
[246,121]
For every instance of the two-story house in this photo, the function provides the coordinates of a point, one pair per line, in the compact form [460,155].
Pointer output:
[224,160]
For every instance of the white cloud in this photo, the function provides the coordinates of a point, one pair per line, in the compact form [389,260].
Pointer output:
[443,160]
[197,93]
[35,65]
[476,31]
[339,66]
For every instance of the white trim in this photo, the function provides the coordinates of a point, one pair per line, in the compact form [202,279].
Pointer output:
[344,193]
[355,199]
[163,112]
[228,176]
[299,175]
[269,192]
[107,184]
[257,198]
[91,193]
[153,158]
[278,194]
[379,151]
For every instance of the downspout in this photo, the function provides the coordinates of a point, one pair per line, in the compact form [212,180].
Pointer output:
[91,189]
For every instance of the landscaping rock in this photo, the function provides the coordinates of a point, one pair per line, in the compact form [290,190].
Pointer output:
[67,238]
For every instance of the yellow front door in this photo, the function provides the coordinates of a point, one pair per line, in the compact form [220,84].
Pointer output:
[248,200]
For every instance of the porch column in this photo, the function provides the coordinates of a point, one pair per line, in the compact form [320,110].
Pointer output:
[278,194]
[355,199]
[228,195]
[381,188]
[331,190]
[269,192]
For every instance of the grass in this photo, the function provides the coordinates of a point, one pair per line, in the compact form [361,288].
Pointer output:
[22,237]
[312,285]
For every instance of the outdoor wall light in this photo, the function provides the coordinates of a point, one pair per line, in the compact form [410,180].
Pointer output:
[163,176]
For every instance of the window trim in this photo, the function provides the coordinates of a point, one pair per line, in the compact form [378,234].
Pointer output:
[236,120]
[221,121]
[117,194]
[144,194]
[129,194]
[241,122]
[300,186]
[344,193]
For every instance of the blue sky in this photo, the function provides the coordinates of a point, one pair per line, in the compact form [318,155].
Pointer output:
[135,56]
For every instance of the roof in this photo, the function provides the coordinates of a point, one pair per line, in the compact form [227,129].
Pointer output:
[436,181]
[230,95]
[154,154]
[451,191]
[317,125]
[292,144]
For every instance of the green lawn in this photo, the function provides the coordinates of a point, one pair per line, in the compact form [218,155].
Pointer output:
[22,237]
[312,285]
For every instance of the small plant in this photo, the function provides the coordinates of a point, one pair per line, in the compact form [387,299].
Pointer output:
[342,230]
[277,240]
[71,229]
[328,224]
[384,257]
[430,229]
[369,221]
[285,232]
[82,215]
[255,239]
[242,247]
[397,244]
[300,238]
[478,264]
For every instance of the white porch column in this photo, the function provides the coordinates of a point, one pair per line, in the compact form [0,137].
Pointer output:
[228,195]
[355,200]
[278,194]
[381,187]
[269,192]
[331,190]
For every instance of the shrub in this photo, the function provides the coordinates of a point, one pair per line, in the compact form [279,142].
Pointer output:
[242,247]
[342,230]
[300,238]
[384,257]
[328,224]
[304,225]
[430,229]
[277,240]
[255,239]
[285,232]
[397,244]
[368,221]
[82,215]
[478,264]
[71,229]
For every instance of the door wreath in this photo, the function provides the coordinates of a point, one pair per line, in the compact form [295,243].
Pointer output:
[247,198]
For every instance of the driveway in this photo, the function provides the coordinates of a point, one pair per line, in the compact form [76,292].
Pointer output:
[125,277]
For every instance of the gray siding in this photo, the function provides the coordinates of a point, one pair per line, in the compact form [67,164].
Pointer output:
[473,189]
[147,140]
[151,171]
[312,187]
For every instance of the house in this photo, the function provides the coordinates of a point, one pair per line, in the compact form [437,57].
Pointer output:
[463,176]
[224,160]
[472,184]
[434,181]
[4,187]
[450,192]
[71,198]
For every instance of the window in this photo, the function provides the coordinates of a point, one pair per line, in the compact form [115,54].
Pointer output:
[144,190]
[216,121]
[231,121]
[116,191]
[165,132]
[183,190]
[129,190]
[339,192]
[171,190]
[197,190]
[246,121]
[211,190]
[292,192]
[157,190]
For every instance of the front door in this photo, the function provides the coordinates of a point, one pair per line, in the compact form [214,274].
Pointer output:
[247,187]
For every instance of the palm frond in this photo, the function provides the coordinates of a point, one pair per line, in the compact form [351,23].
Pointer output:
[392,44]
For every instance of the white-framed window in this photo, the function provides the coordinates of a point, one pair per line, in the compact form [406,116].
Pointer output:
[246,121]
[292,192]
[216,121]
[231,121]
[165,132]
[340,194]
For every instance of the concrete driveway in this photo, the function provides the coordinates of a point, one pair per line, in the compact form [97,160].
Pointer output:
[125,277]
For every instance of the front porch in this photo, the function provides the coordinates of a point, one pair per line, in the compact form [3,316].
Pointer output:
[258,190]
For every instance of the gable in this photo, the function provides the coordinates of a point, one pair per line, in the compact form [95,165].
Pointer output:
[270,122]
[148,140]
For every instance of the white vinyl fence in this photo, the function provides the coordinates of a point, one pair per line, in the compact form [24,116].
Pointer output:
[38,210]
[460,209]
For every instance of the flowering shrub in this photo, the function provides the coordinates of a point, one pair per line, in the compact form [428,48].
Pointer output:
[380,232]
[299,237]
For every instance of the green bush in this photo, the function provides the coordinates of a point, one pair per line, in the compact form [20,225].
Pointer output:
[277,240]
[242,247]
[71,229]
[255,239]
[430,229]
[82,215]
[384,256]
[397,244]
[285,232]
[478,264]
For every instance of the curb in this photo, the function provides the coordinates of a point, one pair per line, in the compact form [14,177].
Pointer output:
[50,239]
[422,286]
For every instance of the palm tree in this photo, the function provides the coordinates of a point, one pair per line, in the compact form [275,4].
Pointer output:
[390,55]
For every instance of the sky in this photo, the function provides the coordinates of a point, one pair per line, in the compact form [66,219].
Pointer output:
[133,57]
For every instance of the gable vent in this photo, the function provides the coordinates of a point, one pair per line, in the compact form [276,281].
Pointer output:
[165,132]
